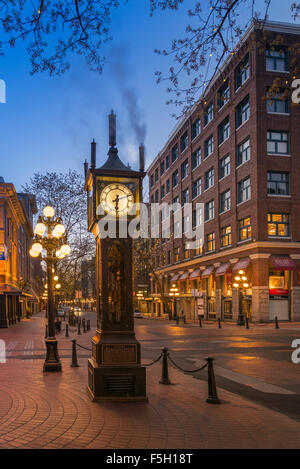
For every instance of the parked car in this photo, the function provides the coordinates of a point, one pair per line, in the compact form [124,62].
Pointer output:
[137,314]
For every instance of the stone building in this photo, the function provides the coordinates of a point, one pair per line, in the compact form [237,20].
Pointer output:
[237,153]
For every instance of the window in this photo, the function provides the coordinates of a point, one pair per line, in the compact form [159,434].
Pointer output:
[156,196]
[196,188]
[196,158]
[209,210]
[186,252]
[197,217]
[242,72]
[185,196]
[278,224]
[176,200]
[152,199]
[224,166]
[208,146]
[278,102]
[162,168]
[175,178]
[167,186]
[244,229]
[278,183]
[209,178]
[244,190]
[226,236]
[184,142]
[151,180]
[196,128]
[167,161]
[186,223]
[243,152]
[174,153]
[208,113]
[224,130]
[198,247]
[225,201]
[176,254]
[278,142]
[277,59]
[177,229]
[162,191]
[242,112]
[210,242]
[156,174]
[184,169]
[223,95]
[169,257]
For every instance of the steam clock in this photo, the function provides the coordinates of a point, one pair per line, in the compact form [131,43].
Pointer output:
[114,370]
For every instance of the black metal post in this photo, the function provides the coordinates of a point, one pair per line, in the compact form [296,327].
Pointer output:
[74,363]
[219,323]
[78,329]
[88,324]
[240,321]
[200,321]
[212,389]
[67,330]
[83,325]
[52,361]
[46,331]
[247,323]
[184,320]
[164,370]
[276,323]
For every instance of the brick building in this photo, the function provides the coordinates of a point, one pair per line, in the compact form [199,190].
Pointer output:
[237,153]
[20,275]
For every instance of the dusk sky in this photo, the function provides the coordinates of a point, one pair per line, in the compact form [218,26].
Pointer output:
[48,123]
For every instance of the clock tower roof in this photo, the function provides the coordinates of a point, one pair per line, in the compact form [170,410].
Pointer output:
[113,161]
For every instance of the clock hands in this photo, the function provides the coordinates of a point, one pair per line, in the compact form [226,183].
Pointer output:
[116,201]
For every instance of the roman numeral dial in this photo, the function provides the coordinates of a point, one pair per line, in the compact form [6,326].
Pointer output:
[116,199]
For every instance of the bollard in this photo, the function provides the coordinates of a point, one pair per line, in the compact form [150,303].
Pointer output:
[67,330]
[74,363]
[247,323]
[164,370]
[219,323]
[276,323]
[184,321]
[78,329]
[212,389]
[88,325]
[200,321]
[46,331]
[83,325]
[177,319]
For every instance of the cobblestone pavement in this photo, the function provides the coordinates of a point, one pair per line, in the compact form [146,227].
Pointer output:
[45,410]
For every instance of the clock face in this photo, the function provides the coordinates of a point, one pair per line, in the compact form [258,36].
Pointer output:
[116,199]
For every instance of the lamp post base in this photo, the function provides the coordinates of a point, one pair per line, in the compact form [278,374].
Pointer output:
[52,362]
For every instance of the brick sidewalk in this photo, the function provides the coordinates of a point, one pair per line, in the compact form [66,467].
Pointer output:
[53,411]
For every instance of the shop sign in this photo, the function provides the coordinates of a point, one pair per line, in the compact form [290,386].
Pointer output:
[279,291]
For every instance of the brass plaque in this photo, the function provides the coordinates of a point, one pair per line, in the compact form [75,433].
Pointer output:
[116,354]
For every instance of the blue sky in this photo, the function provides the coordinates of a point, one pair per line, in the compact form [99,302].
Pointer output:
[47,123]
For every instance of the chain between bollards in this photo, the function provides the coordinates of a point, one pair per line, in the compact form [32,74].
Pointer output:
[276,323]
[74,363]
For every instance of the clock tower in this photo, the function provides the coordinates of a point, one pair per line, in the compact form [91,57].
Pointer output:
[115,372]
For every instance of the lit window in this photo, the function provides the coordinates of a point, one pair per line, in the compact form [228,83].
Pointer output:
[278,224]
[244,229]
[226,236]
[210,242]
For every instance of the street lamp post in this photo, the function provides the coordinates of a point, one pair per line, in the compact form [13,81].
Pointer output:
[241,282]
[50,243]
[173,293]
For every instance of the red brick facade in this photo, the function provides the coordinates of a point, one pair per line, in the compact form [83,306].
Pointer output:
[261,244]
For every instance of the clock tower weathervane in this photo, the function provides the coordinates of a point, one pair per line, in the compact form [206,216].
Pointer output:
[115,372]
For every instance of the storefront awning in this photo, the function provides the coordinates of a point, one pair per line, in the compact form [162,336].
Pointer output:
[175,277]
[7,289]
[184,276]
[242,264]
[223,269]
[195,274]
[208,271]
[282,263]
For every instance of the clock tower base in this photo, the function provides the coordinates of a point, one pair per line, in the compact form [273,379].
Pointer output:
[115,373]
